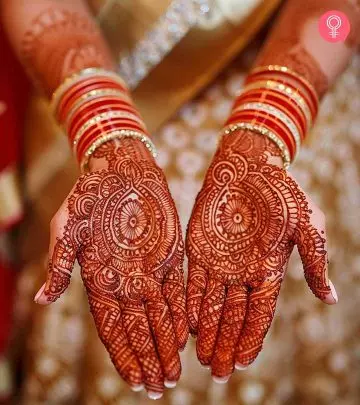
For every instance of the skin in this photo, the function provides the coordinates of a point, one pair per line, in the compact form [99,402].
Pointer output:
[121,224]
[131,255]
[230,302]
[238,250]
[295,41]
[246,220]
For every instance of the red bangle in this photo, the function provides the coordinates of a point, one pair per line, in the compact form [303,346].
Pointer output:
[277,101]
[103,127]
[266,75]
[88,82]
[86,141]
[109,102]
[80,119]
[270,122]
[66,104]
[95,108]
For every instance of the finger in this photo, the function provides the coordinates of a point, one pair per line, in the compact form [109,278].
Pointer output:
[310,238]
[107,317]
[259,315]
[174,293]
[195,291]
[142,344]
[163,331]
[232,321]
[210,314]
[62,255]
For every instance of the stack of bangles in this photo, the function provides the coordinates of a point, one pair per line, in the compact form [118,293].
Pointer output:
[278,103]
[93,107]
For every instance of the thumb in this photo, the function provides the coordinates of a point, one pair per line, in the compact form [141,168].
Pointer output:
[62,255]
[312,245]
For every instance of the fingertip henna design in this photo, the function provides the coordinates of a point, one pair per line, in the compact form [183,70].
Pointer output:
[260,313]
[108,318]
[60,266]
[232,321]
[174,293]
[123,226]
[245,222]
[195,290]
[311,247]
[209,320]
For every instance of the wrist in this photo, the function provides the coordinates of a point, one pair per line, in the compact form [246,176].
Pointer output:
[276,103]
[95,108]
[122,148]
[254,146]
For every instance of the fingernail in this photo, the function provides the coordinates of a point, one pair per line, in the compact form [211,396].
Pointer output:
[221,380]
[240,367]
[39,293]
[333,291]
[170,384]
[137,388]
[154,395]
[205,367]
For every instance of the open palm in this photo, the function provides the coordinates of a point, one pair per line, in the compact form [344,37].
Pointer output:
[122,226]
[245,222]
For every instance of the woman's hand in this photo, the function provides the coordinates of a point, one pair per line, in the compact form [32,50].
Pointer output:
[246,220]
[121,223]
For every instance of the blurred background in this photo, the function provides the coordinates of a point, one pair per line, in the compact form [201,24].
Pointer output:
[52,355]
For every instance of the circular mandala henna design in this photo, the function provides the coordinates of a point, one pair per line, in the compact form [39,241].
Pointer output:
[124,230]
[242,212]
[244,225]
[236,216]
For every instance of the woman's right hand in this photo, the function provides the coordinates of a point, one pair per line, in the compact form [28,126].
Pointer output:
[121,223]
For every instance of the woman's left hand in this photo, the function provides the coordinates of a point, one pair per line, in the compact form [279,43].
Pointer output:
[246,220]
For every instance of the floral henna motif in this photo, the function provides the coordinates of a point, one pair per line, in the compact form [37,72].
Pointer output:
[245,222]
[124,230]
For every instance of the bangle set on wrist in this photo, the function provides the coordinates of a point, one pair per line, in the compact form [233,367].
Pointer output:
[94,106]
[278,103]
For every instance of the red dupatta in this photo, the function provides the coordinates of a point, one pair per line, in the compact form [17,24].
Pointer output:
[13,100]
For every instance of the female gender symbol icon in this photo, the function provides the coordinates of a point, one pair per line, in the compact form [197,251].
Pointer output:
[334,26]
[334,23]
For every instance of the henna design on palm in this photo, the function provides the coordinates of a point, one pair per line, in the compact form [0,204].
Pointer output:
[123,228]
[245,222]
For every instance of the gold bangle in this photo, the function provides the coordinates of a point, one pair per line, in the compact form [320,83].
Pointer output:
[263,131]
[286,91]
[79,103]
[92,94]
[285,69]
[75,77]
[101,117]
[123,133]
[285,119]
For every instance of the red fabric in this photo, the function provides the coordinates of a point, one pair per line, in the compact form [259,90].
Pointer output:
[7,289]
[13,99]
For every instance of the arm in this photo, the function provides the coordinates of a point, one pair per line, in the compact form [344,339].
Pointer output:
[119,221]
[251,212]
[54,39]
[295,42]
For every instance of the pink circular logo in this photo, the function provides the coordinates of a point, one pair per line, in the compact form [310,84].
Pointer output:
[334,26]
